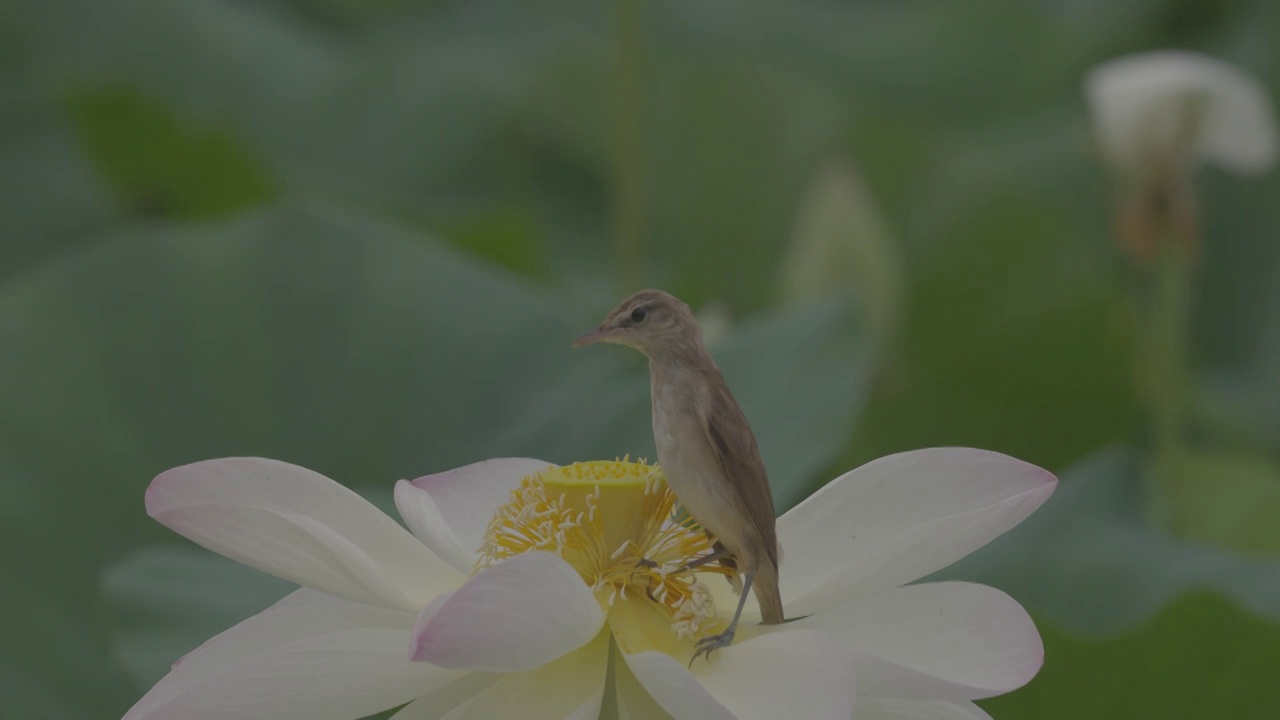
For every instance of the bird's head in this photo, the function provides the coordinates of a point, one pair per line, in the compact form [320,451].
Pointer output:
[651,321]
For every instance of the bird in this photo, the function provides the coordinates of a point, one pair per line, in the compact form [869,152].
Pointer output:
[705,445]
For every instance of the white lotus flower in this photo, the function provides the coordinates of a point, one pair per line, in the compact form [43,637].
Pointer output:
[1170,107]
[498,607]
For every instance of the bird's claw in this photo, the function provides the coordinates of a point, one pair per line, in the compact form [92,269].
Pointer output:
[707,645]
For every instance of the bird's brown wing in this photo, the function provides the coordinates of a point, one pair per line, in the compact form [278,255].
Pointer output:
[735,447]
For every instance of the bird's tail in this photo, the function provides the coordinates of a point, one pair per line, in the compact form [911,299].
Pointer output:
[765,586]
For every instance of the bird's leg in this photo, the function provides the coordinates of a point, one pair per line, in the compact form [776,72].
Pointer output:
[717,551]
[724,639]
[645,563]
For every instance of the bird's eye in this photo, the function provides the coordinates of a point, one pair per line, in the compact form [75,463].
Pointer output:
[638,315]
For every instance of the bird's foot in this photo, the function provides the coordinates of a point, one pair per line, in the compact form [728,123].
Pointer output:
[707,645]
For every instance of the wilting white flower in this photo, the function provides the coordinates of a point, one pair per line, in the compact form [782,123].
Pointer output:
[842,243]
[524,578]
[1174,108]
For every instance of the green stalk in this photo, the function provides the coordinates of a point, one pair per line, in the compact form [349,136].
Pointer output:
[1168,323]
[628,145]
[1171,213]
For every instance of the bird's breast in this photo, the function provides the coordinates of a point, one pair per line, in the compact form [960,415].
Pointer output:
[667,433]
[690,464]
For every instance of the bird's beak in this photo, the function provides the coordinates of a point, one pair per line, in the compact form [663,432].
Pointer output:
[594,335]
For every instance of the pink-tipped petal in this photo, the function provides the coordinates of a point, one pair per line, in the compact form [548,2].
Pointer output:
[937,641]
[771,676]
[301,526]
[875,708]
[516,615]
[310,655]
[460,503]
[899,518]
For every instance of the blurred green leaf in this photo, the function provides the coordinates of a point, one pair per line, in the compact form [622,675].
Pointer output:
[409,123]
[344,15]
[1237,304]
[49,193]
[25,697]
[1199,657]
[420,118]
[1237,322]
[507,237]
[1018,338]
[1088,563]
[851,41]
[757,130]
[161,166]
[1233,500]
[244,65]
[54,649]
[1044,159]
[1017,333]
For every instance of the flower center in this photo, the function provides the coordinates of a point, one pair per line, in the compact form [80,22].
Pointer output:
[617,524]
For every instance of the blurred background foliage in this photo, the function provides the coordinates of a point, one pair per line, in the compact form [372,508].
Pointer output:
[359,236]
